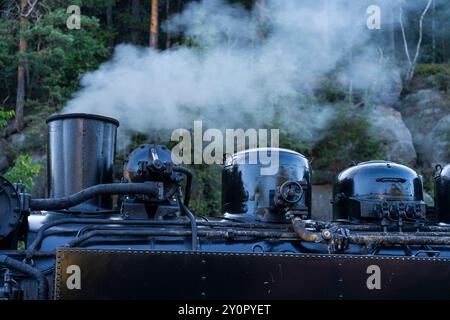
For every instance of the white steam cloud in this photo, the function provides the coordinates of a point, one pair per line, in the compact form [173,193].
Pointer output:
[232,78]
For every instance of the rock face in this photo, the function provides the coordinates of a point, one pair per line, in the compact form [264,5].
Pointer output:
[388,126]
[440,135]
[321,205]
[5,160]
[427,115]
[18,140]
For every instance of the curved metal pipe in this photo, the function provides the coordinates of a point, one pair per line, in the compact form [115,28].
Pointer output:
[300,229]
[148,188]
[189,178]
[32,272]
[191,218]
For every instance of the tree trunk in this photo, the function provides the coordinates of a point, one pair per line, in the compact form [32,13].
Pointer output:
[135,8]
[20,101]
[154,24]
[168,39]
[419,42]
[412,62]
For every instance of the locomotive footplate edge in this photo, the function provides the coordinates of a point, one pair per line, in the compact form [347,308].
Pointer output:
[83,274]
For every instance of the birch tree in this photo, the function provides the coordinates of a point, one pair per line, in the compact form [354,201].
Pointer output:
[412,61]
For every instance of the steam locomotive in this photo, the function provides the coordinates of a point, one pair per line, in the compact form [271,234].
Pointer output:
[138,239]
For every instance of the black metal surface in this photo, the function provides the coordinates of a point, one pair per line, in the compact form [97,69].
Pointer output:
[151,162]
[257,256]
[29,271]
[192,220]
[148,189]
[84,116]
[148,162]
[10,213]
[370,190]
[81,150]
[247,195]
[129,274]
[442,194]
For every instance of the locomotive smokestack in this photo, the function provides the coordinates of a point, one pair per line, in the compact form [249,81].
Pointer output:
[81,151]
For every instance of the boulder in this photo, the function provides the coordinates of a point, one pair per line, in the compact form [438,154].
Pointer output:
[5,155]
[4,162]
[321,202]
[427,115]
[388,126]
[17,140]
[440,148]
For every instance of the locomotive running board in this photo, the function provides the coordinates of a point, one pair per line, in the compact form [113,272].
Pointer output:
[155,275]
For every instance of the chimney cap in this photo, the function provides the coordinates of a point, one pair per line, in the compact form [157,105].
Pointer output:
[82,116]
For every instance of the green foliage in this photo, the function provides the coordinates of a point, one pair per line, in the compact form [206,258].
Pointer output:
[23,171]
[346,139]
[432,69]
[8,62]
[60,56]
[21,245]
[5,116]
[56,57]
[438,75]
[331,90]
[206,193]
[289,141]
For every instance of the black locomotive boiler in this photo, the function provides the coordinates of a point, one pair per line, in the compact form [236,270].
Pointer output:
[94,238]
[378,191]
[249,195]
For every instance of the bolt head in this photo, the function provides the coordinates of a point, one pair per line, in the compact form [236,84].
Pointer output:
[326,234]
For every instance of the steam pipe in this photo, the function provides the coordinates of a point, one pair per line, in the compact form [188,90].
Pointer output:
[92,221]
[379,228]
[398,239]
[393,238]
[189,178]
[300,229]
[30,271]
[181,233]
[191,218]
[92,192]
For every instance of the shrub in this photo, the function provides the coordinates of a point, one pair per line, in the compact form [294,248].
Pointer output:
[5,116]
[206,193]
[23,171]
[331,91]
[432,69]
[346,139]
